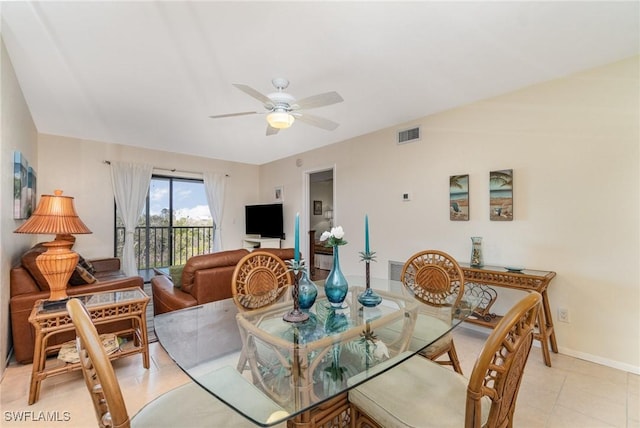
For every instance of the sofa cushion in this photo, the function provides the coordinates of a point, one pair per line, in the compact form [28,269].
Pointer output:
[175,274]
[86,264]
[28,261]
[81,276]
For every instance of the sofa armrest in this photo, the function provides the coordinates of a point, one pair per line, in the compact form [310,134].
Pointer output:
[167,298]
[106,264]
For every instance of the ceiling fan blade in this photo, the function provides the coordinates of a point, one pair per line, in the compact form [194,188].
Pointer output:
[318,121]
[320,100]
[271,130]
[255,94]
[244,113]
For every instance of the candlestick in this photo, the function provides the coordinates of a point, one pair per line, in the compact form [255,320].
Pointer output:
[366,233]
[297,238]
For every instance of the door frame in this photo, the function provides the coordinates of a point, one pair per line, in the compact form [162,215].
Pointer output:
[306,203]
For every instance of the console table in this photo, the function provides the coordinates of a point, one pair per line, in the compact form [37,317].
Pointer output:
[480,279]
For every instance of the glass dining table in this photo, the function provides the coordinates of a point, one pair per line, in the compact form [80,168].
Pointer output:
[271,371]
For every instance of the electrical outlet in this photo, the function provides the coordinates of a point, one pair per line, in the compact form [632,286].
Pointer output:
[563,314]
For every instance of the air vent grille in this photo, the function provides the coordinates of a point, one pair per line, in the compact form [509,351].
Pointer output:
[395,270]
[409,135]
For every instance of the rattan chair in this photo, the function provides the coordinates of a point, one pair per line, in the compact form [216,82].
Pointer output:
[435,278]
[186,406]
[259,279]
[420,393]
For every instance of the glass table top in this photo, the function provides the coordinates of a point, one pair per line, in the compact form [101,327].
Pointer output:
[270,370]
[92,300]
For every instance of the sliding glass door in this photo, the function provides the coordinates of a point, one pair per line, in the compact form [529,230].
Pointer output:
[176,224]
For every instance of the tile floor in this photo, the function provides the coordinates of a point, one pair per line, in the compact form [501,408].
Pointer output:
[572,393]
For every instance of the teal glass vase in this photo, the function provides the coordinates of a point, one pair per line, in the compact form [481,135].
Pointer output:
[307,291]
[336,286]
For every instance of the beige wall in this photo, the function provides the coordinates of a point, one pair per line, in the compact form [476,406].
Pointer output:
[573,144]
[77,167]
[17,132]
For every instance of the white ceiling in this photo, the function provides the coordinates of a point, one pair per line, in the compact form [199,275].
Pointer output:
[149,74]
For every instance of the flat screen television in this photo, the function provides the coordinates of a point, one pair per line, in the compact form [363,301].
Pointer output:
[264,220]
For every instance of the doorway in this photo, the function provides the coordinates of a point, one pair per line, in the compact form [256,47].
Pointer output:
[321,216]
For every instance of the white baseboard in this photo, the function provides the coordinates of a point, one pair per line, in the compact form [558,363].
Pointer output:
[570,352]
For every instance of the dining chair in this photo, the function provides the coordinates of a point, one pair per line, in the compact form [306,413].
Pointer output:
[188,405]
[436,279]
[419,392]
[259,279]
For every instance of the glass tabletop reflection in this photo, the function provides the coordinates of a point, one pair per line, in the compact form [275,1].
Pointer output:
[270,370]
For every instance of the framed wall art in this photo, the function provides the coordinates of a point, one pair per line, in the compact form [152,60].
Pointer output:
[317,207]
[24,187]
[501,195]
[459,197]
[278,194]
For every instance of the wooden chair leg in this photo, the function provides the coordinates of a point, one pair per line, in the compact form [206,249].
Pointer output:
[453,356]
[361,420]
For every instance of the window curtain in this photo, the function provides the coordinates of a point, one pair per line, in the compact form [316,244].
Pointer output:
[130,186]
[214,184]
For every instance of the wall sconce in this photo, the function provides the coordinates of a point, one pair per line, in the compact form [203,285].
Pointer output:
[329,216]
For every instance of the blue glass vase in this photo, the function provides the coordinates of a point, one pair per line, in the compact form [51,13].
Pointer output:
[307,291]
[336,286]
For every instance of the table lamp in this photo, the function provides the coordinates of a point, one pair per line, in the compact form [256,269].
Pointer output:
[56,215]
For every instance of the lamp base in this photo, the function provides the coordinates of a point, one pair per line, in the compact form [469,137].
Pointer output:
[51,305]
[56,265]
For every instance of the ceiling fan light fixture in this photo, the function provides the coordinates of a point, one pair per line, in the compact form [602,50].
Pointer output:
[280,119]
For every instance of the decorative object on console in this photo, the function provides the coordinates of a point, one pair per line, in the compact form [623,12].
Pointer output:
[335,286]
[56,214]
[501,195]
[477,258]
[368,297]
[297,267]
[459,197]
[307,291]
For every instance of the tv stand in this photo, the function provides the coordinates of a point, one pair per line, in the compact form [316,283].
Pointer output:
[251,243]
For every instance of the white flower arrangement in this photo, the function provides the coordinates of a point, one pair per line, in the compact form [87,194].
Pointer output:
[333,237]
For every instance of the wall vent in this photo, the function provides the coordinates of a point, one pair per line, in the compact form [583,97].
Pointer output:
[395,270]
[409,135]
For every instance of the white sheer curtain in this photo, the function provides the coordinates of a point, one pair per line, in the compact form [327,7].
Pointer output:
[130,186]
[214,184]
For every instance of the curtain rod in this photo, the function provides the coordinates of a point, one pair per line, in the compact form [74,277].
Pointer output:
[107,162]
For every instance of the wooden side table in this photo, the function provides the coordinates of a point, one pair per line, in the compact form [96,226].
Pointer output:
[477,279]
[104,307]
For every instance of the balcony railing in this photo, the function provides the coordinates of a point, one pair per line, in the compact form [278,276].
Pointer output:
[161,246]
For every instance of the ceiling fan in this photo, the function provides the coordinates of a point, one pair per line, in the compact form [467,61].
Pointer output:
[282,109]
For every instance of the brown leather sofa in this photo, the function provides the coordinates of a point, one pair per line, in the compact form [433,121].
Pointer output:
[27,286]
[205,278]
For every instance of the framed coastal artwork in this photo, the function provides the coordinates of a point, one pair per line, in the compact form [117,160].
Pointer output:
[459,197]
[501,195]
[24,187]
